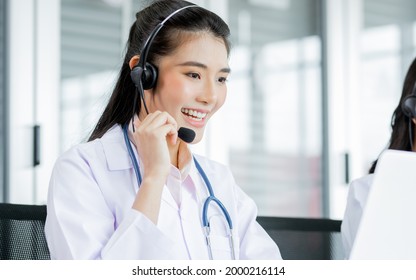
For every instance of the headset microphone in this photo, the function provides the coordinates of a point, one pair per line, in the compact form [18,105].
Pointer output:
[144,74]
[186,134]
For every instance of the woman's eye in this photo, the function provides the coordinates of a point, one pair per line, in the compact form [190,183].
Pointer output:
[194,75]
[222,80]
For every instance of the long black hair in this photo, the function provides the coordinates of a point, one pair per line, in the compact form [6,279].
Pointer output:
[399,139]
[120,107]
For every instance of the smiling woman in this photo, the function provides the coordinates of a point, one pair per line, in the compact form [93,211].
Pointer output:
[135,190]
[191,84]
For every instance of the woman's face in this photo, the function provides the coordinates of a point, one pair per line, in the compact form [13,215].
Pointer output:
[191,83]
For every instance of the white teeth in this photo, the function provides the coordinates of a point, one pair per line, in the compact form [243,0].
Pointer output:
[194,114]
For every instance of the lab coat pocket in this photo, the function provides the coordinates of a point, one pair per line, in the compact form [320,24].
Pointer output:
[222,249]
[220,240]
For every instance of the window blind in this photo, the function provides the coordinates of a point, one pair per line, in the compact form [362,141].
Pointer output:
[385,12]
[91,37]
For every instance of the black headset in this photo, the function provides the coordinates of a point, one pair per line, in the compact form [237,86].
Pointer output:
[144,74]
[409,109]
[409,104]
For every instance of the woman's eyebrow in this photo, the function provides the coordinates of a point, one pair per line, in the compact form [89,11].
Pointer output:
[203,66]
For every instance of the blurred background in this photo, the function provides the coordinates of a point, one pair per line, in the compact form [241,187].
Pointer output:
[312,90]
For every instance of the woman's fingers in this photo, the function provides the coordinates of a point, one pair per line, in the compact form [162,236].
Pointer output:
[152,136]
[158,124]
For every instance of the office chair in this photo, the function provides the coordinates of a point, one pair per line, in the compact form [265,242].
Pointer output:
[305,238]
[21,232]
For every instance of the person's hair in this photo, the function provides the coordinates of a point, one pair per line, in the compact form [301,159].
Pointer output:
[193,20]
[399,139]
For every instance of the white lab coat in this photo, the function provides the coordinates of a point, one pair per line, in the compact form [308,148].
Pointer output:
[356,201]
[91,193]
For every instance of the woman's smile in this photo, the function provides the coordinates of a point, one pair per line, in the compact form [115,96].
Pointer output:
[195,117]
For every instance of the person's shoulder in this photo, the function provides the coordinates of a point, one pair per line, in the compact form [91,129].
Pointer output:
[363,182]
[92,149]
[359,188]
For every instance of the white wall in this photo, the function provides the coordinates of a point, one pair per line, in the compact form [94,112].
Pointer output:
[33,80]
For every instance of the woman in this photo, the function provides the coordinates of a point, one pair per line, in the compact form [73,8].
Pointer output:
[105,202]
[402,138]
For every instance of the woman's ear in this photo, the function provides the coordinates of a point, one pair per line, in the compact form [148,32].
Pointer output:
[133,61]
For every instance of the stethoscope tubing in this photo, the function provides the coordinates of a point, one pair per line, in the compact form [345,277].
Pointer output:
[132,156]
[210,198]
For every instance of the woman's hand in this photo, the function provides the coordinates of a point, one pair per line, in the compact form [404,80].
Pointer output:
[151,137]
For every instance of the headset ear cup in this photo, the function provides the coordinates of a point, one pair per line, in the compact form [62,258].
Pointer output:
[135,75]
[149,76]
[409,106]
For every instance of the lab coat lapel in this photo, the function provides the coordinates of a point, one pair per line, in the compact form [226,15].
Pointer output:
[117,156]
[168,198]
[115,150]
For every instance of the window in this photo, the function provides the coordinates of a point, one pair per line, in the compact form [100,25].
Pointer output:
[274,105]
[392,24]
[273,109]
[91,52]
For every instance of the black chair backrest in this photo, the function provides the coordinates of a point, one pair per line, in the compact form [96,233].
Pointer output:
[305,238]
[22,234]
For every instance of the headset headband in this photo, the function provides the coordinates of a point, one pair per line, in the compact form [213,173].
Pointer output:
[149,41]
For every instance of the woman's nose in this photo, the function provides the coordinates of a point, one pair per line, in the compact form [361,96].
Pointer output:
[208,94]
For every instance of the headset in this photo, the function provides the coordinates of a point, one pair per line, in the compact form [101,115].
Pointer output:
[409,109]
[409,104]
[144,76]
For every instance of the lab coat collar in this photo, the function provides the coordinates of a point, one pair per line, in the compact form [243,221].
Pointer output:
[117,158]
[201,190]
[115,149]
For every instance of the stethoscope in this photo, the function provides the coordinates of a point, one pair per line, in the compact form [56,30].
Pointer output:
[211,198]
